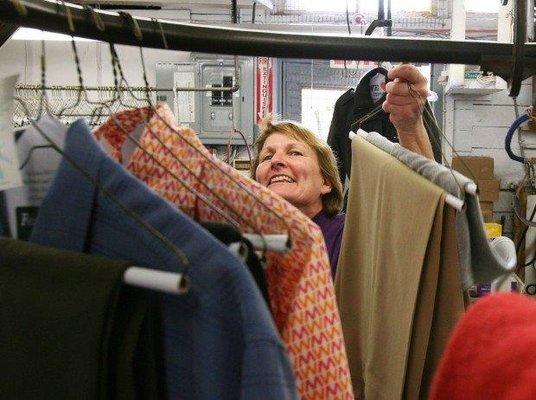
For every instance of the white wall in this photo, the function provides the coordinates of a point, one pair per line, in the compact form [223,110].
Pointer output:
[477,125]
[23,57]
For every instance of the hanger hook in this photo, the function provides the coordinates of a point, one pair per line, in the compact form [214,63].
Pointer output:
[133,24]
[68,16]
[138,34]
[161,29]
[97,20]
[115,58]
[70,22]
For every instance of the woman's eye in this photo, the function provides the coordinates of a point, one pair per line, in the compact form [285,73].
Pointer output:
[295,153]
[266,157]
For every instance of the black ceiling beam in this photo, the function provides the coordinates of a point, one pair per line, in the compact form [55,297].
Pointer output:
[51,16]
[6,30]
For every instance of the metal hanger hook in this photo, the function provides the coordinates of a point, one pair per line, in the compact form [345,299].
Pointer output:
[133,24]
[162,34]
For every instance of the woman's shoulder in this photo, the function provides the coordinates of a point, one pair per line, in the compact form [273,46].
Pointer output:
[336,222]
[339,218]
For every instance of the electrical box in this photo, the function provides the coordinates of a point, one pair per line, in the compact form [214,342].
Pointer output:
[210,108]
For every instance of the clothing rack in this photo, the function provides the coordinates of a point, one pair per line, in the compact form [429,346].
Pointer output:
[24,87]
[61,96]
[512,62]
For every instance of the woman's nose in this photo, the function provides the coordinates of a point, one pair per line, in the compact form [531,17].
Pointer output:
[278,160]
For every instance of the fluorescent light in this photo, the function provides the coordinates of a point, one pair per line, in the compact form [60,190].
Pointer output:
[483,6]
[398,6]
[36,34]
[323,5]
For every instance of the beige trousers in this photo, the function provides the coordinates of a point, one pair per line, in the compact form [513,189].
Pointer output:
[388,279]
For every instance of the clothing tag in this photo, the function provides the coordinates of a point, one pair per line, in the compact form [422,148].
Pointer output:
[10,176]
[376,91]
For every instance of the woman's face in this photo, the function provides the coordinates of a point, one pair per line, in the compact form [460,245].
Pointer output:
[290,168]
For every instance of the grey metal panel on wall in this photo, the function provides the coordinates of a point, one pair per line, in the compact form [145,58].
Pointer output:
[212,113]
[298,74]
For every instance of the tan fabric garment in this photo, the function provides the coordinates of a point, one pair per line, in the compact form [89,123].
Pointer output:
[449,300]
[391,211]
[435,320]
[424,309]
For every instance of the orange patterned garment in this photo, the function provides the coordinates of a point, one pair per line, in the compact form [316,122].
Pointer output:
[301,291]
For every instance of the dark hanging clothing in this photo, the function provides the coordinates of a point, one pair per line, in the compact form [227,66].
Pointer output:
[354,104]
[71,330]
[226,234]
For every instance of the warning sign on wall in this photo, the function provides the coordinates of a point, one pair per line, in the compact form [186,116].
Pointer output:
[264,87]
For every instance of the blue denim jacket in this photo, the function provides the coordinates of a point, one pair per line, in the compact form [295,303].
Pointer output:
[220,340]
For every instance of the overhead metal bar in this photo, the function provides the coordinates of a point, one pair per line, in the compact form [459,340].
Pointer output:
[51,16]
[6,30]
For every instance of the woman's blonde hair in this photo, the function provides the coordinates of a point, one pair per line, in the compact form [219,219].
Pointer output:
[332,201]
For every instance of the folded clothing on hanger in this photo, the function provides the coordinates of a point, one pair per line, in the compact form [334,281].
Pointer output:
[71,329]
[479,263]
[397,282]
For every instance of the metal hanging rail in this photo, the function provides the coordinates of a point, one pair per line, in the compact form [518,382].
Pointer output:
[35,88]
[517,61]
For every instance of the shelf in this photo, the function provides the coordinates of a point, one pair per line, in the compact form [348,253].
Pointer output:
[473,91]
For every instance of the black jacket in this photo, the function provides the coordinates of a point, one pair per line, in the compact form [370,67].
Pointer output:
[354,104]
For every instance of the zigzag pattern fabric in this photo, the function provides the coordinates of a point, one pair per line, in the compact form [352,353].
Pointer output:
[301,291]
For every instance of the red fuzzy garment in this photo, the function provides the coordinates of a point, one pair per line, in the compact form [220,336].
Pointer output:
[491,353]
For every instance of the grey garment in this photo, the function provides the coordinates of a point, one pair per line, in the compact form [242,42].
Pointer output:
[479,263]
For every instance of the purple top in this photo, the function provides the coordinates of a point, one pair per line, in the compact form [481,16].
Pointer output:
[332,230]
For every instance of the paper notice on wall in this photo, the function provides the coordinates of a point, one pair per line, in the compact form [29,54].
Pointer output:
[185,100]
[10,176]
[264,88]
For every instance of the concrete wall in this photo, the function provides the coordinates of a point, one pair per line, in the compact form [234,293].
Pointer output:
[476,124]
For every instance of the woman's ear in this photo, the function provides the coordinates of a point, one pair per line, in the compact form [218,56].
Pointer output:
[326,187]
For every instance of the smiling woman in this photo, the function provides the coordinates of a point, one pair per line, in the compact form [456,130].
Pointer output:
[295,164]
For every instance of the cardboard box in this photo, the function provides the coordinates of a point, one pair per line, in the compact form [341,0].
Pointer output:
[486,206]
[474,167]
[488,216]
[488,190]
[493,230]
